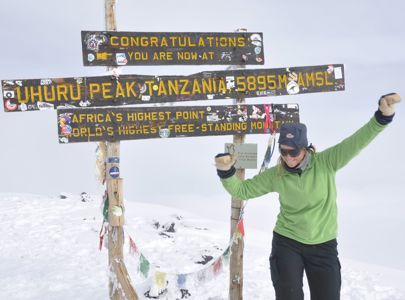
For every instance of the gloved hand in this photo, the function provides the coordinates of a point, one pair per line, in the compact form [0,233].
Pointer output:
[387,104]
[224,161]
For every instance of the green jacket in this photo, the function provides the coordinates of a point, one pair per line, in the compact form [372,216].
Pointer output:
[308,211]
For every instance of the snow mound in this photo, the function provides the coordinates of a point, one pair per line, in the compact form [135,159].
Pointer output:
[49,250]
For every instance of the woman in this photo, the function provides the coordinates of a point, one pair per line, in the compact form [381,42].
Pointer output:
[304,236]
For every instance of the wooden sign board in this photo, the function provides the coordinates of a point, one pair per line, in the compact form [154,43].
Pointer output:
[111,48]
[38,94]
[131,123]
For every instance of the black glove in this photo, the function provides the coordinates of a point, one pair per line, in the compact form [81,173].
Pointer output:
[386,108]
[224,162]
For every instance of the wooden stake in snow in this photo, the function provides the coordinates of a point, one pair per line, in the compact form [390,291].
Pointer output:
[236,259]
[119,281]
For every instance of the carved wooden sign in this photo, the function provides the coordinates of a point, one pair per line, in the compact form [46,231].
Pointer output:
[111,48]
[37,94]
[131,123]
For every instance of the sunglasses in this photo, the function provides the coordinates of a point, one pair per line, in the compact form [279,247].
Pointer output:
[292,152]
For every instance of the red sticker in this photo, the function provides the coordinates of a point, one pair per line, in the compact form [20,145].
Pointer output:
[10,106]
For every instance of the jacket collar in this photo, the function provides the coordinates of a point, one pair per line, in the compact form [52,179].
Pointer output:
[304,164]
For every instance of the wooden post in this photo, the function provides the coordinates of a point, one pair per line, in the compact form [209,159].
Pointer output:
[120,286]
[110,20]
[236,259]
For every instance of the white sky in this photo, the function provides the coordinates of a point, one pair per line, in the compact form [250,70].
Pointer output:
[41,39]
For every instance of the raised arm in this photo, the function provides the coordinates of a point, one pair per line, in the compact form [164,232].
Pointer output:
[339,155]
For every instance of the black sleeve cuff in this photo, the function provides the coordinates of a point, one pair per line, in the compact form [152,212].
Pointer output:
[383,120]
[226,174]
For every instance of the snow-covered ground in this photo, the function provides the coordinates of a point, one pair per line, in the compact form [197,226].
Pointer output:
[49,250]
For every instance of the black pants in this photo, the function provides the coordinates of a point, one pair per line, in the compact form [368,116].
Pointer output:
[290,258]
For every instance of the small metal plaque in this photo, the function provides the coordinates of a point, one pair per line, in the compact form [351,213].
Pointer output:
[247,155]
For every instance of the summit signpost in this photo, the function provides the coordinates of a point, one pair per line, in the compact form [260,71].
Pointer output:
[96,108]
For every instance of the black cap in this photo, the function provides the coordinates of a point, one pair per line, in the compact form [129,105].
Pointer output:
[294,135]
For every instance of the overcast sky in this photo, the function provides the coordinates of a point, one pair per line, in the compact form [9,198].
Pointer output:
[41,39]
